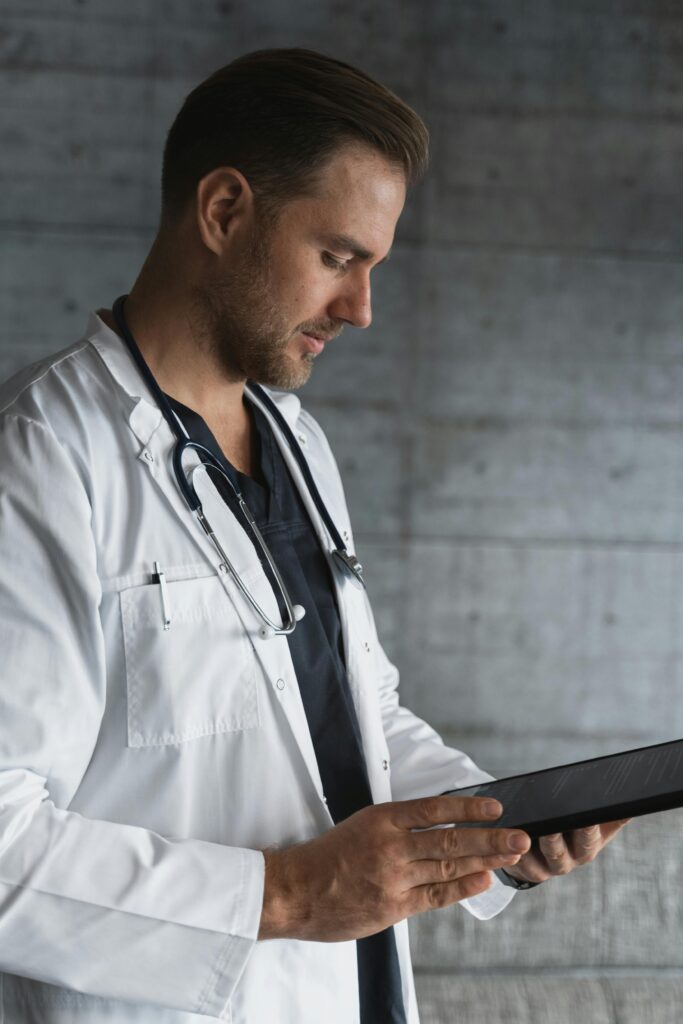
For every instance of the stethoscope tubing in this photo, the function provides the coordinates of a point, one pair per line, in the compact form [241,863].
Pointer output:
[348,562]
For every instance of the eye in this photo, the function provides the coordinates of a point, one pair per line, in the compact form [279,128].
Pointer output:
[333,263]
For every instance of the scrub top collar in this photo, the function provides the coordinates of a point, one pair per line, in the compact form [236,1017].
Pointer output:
[144,416]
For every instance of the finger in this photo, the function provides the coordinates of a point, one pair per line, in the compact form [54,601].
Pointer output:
[443,810]
[435,895]
[448,843]
[554,850]
[422,872]
[586,843]
[533,867]
[609,829]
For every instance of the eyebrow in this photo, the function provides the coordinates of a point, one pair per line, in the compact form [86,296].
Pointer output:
[349,244]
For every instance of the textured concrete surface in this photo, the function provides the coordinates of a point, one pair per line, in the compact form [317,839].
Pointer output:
[533,999]
[510,426]
[622,912]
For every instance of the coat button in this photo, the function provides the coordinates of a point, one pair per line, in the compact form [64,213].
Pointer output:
[280,684]
[223,567]
[148,456]
[366,645]
[385,765]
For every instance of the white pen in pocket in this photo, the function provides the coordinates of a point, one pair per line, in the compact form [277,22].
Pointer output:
[160,578]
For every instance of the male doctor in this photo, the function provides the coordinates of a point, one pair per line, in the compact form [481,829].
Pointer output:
[197,820]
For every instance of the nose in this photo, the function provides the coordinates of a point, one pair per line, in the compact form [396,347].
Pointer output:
[353,303]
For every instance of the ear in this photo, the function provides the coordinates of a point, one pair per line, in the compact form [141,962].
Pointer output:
[224,200]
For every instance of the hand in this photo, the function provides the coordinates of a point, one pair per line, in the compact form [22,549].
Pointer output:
[560,854]
[372,869]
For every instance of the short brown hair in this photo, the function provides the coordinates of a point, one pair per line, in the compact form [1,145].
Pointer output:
[277,116]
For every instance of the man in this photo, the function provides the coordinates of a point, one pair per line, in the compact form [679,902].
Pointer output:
[188,799]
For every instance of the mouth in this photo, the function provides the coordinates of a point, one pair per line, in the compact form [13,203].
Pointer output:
[315,343]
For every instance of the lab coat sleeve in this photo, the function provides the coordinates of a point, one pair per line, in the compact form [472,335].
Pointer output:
[95,906]
[421,764]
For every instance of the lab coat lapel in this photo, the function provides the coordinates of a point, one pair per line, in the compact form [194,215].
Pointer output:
[358,635]
[157,441]
[356,631]
[273,654]
[340,584]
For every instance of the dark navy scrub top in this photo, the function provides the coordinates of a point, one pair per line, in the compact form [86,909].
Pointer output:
[317,651]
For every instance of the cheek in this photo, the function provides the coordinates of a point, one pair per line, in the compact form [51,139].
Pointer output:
[295,348]
[305,302]
[301,289]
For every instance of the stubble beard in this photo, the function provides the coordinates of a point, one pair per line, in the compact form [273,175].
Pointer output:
[243,328]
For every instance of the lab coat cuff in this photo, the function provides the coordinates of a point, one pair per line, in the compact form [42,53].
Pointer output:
[487,904]
[239,945]
[248,916]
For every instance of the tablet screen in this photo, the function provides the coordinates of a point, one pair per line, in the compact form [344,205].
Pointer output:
[589,792]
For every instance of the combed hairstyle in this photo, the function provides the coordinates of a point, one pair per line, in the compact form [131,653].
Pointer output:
[277,116]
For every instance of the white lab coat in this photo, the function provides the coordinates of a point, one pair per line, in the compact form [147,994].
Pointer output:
[142,770]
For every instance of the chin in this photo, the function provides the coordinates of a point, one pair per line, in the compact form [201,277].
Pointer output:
[288,376]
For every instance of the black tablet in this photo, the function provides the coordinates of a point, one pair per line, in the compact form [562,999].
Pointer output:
[590,792]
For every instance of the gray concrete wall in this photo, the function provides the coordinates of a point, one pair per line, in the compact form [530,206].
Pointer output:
[510,426]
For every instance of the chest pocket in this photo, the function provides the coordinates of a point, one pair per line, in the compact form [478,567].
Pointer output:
[196,678]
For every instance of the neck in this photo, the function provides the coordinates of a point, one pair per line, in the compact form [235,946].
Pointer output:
[159,314]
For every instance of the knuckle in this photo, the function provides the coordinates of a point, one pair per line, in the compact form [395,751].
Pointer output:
[449,870]
[562,868]
[422,811]
[370,816]
[452,841]
[467,808]
[436,895]
[431,805]
[388,860]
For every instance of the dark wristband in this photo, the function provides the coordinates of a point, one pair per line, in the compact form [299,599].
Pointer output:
[514,883]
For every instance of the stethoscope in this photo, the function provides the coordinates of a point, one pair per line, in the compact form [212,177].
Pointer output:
[347,562]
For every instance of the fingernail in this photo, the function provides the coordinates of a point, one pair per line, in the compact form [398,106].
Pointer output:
[492,809]
[517,842]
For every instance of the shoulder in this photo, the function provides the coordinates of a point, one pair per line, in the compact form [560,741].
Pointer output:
[51,415]
[55,390]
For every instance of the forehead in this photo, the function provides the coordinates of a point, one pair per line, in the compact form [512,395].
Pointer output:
[359,194]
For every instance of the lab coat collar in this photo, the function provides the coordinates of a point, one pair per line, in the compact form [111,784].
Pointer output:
[145,416]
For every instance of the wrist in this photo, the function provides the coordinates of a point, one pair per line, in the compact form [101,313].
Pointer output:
[284,910]
[274,911]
